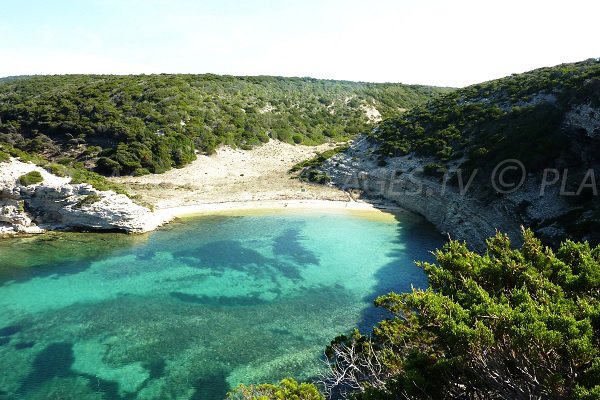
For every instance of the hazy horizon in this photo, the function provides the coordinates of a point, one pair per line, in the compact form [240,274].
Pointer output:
[428,42]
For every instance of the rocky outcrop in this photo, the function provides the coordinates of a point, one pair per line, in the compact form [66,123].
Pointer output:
[14,219]
[465,207]
[585,119]
[56,204]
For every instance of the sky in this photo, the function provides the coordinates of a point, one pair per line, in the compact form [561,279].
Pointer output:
[435,42]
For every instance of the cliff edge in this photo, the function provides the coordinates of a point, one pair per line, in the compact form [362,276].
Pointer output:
[517,151]
[55,204]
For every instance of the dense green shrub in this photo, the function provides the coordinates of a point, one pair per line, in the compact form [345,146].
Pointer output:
[107,166]
[31,178]
[297,138]
[518,117]
[57,169]
[151,123]
[317,176]
[4,156]
[318,160]
[434,169]
[287,389]
[81,175]
[508,324]
[66,168]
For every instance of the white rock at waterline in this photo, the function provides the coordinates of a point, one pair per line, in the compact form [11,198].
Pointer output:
[57,204]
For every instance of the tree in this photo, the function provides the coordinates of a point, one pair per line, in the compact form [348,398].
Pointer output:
[508,324]
[287,389]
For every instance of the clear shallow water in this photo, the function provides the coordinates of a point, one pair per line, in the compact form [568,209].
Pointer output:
[192,310]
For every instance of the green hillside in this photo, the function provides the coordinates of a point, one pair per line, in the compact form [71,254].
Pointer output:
[548,119]
[150,123]
[520,116]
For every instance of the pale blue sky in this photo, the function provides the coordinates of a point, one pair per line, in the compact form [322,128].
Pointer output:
[452,43]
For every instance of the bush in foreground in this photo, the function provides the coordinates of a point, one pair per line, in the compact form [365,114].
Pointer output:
[508,324]
[287,389]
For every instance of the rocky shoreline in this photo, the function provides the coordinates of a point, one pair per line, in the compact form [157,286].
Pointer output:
[470,214]
[56,204]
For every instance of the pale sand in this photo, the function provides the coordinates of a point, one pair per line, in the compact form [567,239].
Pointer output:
[235,179]
[361,209]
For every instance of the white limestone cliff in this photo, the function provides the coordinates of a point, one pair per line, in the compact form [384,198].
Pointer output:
[56,204]
[470,215]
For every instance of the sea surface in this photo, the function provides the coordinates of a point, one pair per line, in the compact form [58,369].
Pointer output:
[194,309]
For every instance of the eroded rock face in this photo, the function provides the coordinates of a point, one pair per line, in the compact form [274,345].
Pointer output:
[401,180]
[57,204]
[13,217]
[468,212]
[585,119]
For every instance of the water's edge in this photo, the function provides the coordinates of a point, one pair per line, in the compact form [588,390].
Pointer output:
[198,306]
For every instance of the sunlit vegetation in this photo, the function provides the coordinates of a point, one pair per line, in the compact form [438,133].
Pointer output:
[318,160]
[510,324]
[151,123]
[87,201]
[518,117]
[287,389]
[507,324]
[523,117]
[308,170]
[4,156]
[31,178]
[64,168]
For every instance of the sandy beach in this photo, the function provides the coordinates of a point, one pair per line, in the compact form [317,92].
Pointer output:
[361,209]
[234,179]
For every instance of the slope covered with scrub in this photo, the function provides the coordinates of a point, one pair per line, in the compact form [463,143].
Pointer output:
[520,150]
[537,116]
[150,123]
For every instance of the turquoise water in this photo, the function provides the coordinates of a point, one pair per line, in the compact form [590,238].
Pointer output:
[194,309]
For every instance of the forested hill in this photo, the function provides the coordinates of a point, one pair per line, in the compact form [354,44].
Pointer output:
[150,123]
[536,117]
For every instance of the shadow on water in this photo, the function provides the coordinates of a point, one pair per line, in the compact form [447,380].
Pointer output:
[7,332]
[156,367]
[24,345]
[211,386]
[54,361]
[290,256]
[288,245]
[221,255]
[10,330]
[418,240]
[225,255]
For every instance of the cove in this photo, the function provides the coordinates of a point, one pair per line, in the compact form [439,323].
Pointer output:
[199,306]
